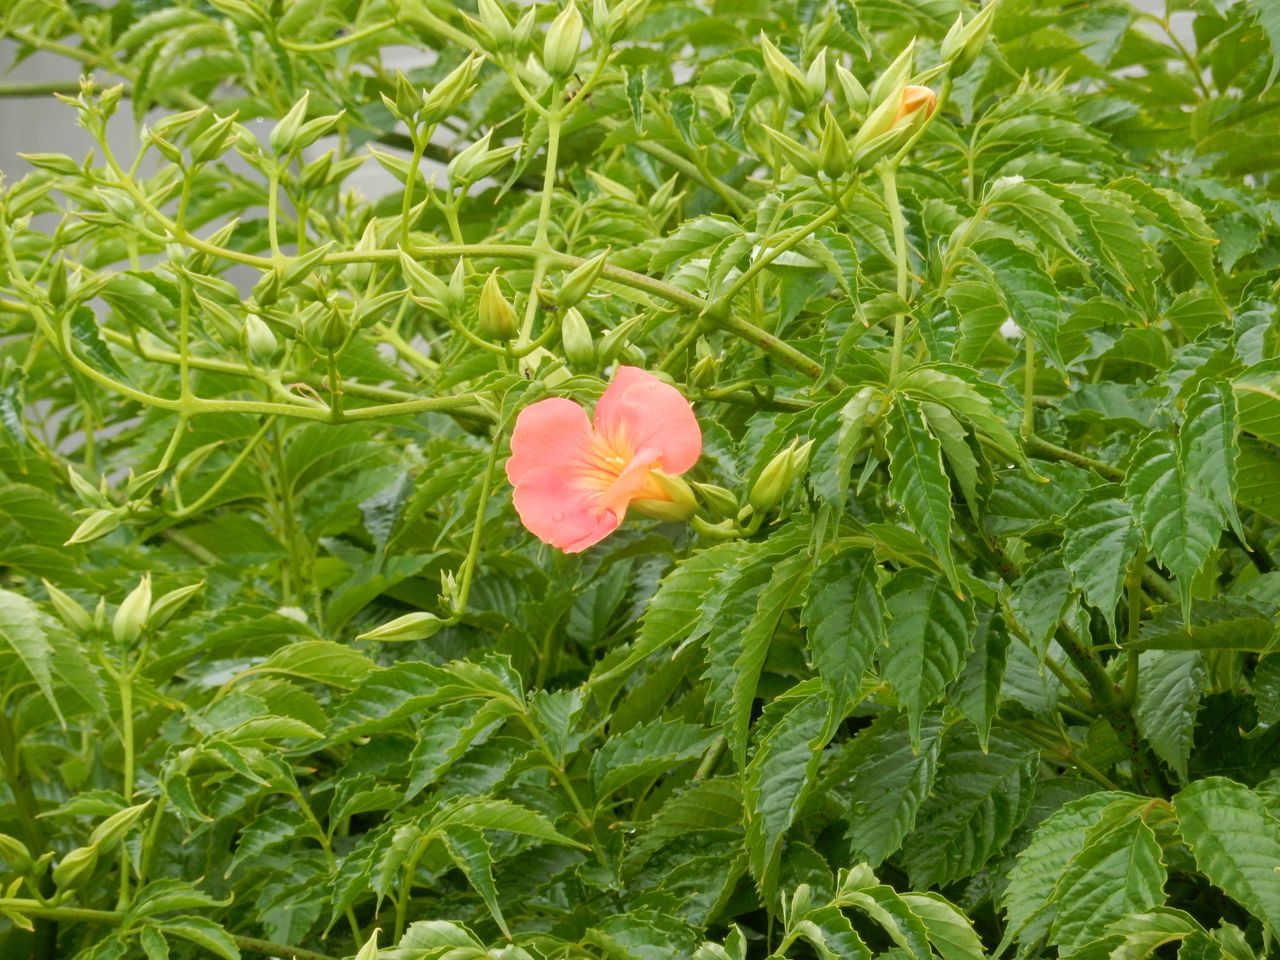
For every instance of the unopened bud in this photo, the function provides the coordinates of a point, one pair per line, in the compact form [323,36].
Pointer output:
[97,524]
[494,19]
[580,280]
[285,133]
[524,29]
[894,77]
[704,372]
[428,290]
[132,614]
[575,336]
[834,154]
[496,318]
[258,341]
[113,829]
[563,42]
[214,142]
[449,93]
[370,949]
[68,611]
[15,853]
[798,155]
[478,161]
[964,42]
[915,98]
[777,476]
[788,82]
[815,78]
[855,94]
[722,501]
[164,609]
[412,626]
[267,290]
[57,288]
[72,869]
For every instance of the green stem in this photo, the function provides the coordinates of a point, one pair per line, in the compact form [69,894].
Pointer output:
[322,46]
[420,138]
[473,550]
[889,180]
[1029,387]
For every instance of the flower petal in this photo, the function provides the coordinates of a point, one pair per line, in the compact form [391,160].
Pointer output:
[551,433]
[557,510]
[638,410]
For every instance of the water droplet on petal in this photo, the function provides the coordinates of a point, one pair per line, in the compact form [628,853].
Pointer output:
[557,517]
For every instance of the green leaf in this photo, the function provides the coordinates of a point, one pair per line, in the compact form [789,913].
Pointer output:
[778,779]
[930,636]
[1207,446]
[470,851]
[844,617]
[1180,220]
[693,236]
[1236,843]
[1179,524]
[1117,871]
[1028,899]
[1170,683]
[22,630]
[1099,543]
[918,481]
[204,934]
[737,655]
[977,693]
[979,798]
[890,781]
[949,932]
[503,815]
[645,751]
[672,615]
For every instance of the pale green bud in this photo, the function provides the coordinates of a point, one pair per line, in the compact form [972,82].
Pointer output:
[15,853]
[370,949]
[74,868]
[796,154]
[894,77]
[284,135]
[215,141]
[788,82]
[164,609]
[478,161]
[68,611]
[113,829]
[97,524]
[428,290]
[879,122]
[580,280]
[449,93]
[563,42]
[815,78]
[494,19]
[575,336]
[496,317]
[834,154]
[964,42]
[705,372]
[722,501]
[258,341]
[412,626]
[777,477]
[855,94]
[131,616]
[524,28]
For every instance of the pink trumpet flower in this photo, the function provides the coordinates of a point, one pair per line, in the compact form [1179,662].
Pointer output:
[575,479]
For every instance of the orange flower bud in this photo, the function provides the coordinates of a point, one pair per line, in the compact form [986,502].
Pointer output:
[915,98]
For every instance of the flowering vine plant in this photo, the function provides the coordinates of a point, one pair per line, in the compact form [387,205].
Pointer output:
[640,479]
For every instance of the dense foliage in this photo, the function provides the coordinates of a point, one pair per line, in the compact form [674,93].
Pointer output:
[967,649]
